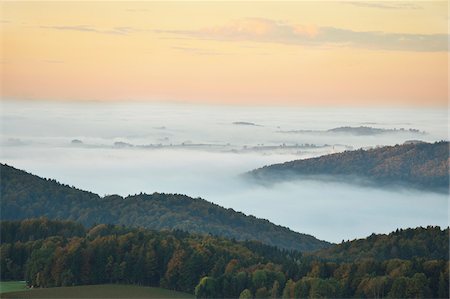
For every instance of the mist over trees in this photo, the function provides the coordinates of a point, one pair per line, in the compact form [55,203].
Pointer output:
[191,245]
[414,165]
[27,196]
[38,139]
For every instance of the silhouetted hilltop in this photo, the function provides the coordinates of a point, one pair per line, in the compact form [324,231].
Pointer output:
[360,131]
[364,130]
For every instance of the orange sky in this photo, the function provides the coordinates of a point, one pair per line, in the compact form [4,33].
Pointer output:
[305,53]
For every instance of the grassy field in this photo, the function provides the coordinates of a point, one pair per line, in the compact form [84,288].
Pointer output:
[98,291]
[12,286]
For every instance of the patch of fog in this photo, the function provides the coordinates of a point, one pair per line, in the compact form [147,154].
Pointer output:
[37,137]
[144,123]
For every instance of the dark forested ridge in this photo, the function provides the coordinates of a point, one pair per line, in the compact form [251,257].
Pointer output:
[419,165]
[430,242]
[214,267]
[24,195]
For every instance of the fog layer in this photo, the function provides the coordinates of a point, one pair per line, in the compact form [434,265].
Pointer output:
[201,151]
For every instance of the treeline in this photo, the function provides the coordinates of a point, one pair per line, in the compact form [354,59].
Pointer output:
[430,243]
[27,196]
[116,254]
[419,165]
[210,267]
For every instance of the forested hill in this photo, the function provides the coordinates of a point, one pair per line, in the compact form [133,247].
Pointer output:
[24,195]
[420,165]
[49,253]
[430,242]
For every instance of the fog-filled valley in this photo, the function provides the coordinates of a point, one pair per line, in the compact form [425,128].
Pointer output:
[201,151]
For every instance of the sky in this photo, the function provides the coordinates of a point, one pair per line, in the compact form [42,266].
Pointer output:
[252,53]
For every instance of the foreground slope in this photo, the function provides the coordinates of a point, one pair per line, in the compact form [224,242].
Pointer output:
[49,253]
[419,165]
[26,196]
[98,291]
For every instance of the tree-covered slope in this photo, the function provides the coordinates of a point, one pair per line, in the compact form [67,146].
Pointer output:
[214,267]
[420,165]
[430,243]
[24,195]
[117,254]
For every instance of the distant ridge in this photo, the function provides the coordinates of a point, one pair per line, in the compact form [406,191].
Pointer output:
[24,195]
[245,123]
[418,165]
[358,131]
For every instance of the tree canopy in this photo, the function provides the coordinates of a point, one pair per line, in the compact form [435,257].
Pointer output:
[27,196]
[418,165]
[214,267]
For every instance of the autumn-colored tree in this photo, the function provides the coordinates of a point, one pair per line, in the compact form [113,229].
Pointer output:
[246,294]
[207,288]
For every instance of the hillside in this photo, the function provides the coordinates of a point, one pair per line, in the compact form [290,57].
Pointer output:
[27,196]
[430,242]
[418,165]
[117,254]
[213,267]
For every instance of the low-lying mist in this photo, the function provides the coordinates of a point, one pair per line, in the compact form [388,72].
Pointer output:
[202,150]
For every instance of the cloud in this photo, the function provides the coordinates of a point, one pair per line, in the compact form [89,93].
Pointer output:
[271,31]
[387,41]
[384,5]
[71,28]
[196,51]
[83,28]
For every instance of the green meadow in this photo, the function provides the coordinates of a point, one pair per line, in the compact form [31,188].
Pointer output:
[12,286]
[88,291]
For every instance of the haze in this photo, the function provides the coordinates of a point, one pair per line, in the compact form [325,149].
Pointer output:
[200,150]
